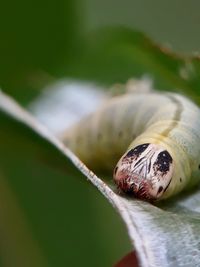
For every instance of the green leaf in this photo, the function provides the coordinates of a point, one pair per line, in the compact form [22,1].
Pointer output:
[38,41]
[50,214]
[117,54]
[167,235]
[40,185]
[106,56]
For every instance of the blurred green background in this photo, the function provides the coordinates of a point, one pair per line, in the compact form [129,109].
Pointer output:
[41,40]
[51,215]
[173,23]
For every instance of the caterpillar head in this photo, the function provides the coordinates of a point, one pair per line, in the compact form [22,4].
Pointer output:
[144,171]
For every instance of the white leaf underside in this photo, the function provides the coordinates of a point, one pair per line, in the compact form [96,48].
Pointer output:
[167,236]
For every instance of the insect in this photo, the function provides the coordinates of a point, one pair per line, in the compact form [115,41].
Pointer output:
[154,136]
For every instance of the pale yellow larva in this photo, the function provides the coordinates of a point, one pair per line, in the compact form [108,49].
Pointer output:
[161,132]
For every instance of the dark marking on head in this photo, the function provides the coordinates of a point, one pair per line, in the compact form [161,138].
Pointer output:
[138,161]
[149,167]
[163,162]
[138,150]
[199,166]
[168,185]
[115,170]
[129,190]
[180,179]
[130,153]
[160,189]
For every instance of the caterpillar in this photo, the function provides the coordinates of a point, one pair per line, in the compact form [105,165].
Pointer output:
[151,139]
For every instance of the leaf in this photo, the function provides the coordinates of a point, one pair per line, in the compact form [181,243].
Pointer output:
[166,235]
[50,215]
[106,56]
[114,55]
[38,41]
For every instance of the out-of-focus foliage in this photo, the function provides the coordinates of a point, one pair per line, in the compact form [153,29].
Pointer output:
[173,227]
[50,216]
[173,23]
[38,41]
[116,54]
[41,41]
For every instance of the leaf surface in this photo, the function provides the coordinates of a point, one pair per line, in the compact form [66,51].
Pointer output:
[164,235]
[41,187]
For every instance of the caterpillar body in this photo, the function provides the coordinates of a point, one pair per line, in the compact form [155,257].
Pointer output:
[154,137]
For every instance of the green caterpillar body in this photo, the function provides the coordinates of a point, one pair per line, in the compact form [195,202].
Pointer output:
[154,137]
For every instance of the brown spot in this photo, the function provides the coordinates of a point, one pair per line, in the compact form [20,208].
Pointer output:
[180,179]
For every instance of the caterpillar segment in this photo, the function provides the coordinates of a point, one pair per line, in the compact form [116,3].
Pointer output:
[154,137]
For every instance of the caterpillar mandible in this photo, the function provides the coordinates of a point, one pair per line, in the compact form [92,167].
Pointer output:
[154,137]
